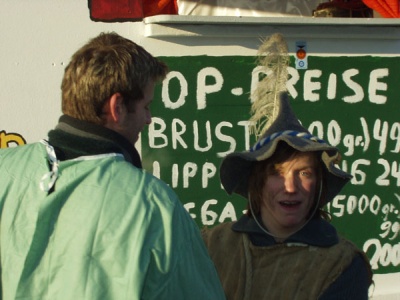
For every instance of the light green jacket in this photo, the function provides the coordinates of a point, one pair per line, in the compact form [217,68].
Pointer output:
[104,230]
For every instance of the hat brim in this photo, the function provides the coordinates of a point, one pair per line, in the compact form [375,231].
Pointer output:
[236,167]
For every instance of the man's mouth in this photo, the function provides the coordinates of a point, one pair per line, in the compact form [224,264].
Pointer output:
[290,203]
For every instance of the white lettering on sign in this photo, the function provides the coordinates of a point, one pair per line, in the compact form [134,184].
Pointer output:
[382,255]
[209,216]
[375,85]
[183,90]
[203,88]
[313,87]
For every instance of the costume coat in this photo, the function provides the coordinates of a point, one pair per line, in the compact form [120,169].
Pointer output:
[312,264]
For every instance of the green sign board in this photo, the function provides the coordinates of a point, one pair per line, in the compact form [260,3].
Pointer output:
[201,112]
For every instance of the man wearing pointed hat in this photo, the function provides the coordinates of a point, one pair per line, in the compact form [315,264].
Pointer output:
[284,247]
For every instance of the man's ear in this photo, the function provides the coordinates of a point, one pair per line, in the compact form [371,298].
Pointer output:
[115,109]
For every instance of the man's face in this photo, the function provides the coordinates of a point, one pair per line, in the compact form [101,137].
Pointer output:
[288,195]
[139,115]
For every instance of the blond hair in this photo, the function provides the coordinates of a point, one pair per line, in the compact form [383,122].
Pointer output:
[106,65]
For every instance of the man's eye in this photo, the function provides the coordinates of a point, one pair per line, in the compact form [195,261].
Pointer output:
[306,173]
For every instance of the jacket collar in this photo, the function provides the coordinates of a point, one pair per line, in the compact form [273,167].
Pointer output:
[73,138]
[317,232]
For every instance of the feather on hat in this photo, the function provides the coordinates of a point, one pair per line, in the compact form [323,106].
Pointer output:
[275,122]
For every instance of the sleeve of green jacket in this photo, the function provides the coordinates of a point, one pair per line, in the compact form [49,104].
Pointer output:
[180,267]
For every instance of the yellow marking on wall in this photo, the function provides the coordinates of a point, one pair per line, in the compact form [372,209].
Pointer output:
[7,139]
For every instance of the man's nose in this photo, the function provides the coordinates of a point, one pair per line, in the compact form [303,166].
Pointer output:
[290,183]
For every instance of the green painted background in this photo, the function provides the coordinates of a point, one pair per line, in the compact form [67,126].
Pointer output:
[367,133]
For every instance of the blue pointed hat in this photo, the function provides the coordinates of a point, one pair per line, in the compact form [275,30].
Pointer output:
[236,167]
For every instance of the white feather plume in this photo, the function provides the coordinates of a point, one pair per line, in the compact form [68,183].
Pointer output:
[274,58]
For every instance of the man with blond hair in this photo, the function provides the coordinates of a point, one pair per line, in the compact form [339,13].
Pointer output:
[80,218]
